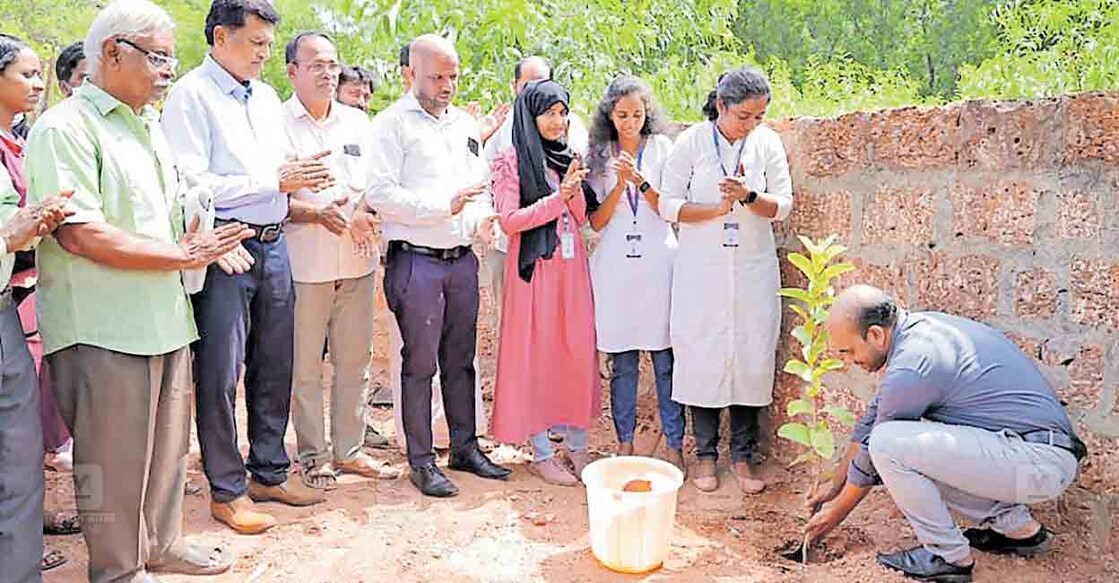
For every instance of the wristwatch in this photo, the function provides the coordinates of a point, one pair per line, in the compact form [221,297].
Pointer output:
[644,186]
[750,198]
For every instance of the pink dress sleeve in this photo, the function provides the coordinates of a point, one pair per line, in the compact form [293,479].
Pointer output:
[505,185]
[577,206]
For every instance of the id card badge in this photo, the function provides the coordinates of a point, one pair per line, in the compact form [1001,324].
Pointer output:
[730,234]
[633,245]
[567,245]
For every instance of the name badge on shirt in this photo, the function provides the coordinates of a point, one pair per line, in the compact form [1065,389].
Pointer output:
[633,245]
[472,145]
[567,245]
[730,234]
[351,150]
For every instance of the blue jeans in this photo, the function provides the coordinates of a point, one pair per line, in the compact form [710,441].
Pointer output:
[575,438]
[623,396]
[245,318]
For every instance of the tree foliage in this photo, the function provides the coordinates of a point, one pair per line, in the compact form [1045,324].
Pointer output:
[823,57]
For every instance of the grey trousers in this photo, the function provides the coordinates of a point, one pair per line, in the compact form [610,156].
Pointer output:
[21,457]
[987,477]
[130,418]
[343,312]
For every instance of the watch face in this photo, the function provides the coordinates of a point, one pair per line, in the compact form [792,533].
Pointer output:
[645,186]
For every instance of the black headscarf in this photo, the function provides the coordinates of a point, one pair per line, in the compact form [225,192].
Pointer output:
[534,154]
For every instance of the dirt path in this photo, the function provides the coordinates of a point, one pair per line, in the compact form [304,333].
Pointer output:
[385,531]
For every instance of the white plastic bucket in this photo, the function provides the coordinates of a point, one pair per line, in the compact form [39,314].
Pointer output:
[631,531]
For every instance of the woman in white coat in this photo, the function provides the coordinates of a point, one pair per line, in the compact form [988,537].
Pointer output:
[631,269]
[725,183]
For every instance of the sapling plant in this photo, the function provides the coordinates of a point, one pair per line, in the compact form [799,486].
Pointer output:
[809,415]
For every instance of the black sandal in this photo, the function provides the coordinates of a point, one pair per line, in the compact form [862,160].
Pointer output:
[61,524]
[51,560]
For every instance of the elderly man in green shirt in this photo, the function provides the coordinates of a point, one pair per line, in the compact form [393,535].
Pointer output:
[115,319]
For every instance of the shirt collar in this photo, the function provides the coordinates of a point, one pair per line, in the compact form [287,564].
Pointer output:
[228,84]
[902,323]
[297,110]
[105,103]
[411,103]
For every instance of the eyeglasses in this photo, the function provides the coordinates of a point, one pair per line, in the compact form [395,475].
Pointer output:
[156,60]
[320,68]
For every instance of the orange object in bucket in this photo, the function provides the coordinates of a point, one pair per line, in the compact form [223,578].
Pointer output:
[631,505]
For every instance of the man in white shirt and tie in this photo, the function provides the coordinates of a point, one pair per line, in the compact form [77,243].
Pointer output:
[428,185]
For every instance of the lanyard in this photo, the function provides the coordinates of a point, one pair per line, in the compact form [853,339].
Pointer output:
[719,154]
[631,192]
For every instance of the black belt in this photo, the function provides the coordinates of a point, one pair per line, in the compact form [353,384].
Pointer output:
[1057,439]
[452,254]
[264,233]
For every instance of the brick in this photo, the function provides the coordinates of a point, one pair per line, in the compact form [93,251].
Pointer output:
[889,278]
[1035,295]
[1002,212]
[1086,374]
[1078,216]
[898,215]
[831,147]
[964,285]
[1095,293]
[819,214]
[1031,346]
[1007,135]
[913,137]
[1091,124]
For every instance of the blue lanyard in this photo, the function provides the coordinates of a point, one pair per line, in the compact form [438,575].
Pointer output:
[719,154]
[631,192]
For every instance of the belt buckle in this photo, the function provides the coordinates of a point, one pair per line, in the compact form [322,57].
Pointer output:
[1050,437]
[269,233]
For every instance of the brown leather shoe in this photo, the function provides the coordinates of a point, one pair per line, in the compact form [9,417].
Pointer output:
[241,515]
[292,492]
[365,466]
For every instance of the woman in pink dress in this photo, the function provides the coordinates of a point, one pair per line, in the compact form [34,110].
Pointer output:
[547,372]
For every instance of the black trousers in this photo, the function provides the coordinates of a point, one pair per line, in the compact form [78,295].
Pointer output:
[745,426]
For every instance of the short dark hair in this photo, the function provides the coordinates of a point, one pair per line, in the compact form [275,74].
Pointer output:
[292,48]
[10,48]
[355,74]
[883,313]
[521,63]
[406,55]
[231,14]
[68,60]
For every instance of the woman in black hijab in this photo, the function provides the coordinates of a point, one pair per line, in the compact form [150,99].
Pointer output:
[547,373]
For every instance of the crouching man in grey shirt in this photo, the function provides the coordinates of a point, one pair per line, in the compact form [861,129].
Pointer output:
[963,421]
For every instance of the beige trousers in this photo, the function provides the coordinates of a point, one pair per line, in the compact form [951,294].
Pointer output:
[343,312]
[130,418]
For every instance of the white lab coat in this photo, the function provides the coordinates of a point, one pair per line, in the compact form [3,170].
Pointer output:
[632,294]
[726,314]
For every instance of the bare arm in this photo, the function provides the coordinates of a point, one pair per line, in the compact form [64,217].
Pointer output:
[107,245]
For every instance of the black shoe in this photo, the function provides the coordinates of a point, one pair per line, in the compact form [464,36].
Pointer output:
[920,564]
[989,541]
[476,462]
[431,481]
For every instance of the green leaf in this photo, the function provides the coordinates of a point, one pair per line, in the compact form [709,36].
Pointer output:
[800,312]
[841,415]
[832,364]
[802,263]
[798,407]
[797,432]
[800,369]
[802,336]
[808,244]
[796,294]
[834,271]
[823,442]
